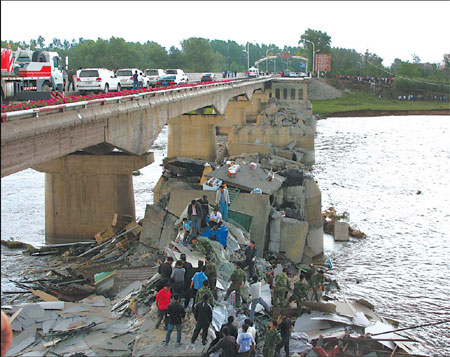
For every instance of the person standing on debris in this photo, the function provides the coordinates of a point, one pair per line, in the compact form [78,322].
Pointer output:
[176,315]
[245,342]
[211,273]
[255,293]
[316,283]
[215,219]
[203,316]
[187,279]
[251,329]
[202,291]
[187,231]
[282,286]
[204,204]
[165,269]
[162,301]
[177,278]
[230,326]
[197,281]
[195,215]
[250,257]
[300,293]
[285,327]
[223,201]
[272,339]
[237,279]
[227,343]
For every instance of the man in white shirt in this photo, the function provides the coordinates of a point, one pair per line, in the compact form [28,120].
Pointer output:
[255,292]
[215,219]
[245,342]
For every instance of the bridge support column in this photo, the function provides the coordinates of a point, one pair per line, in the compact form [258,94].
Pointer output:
[83,191]
[193,136]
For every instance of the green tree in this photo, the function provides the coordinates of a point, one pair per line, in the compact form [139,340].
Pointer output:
[321,40]
[198,55]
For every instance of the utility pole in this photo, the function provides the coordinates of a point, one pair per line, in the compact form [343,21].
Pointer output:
[267,61]
[314,52]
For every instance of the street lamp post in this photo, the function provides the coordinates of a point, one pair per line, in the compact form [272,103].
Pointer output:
[267,61]
[313,54]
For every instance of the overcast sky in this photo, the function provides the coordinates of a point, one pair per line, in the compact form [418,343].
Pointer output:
[388,28]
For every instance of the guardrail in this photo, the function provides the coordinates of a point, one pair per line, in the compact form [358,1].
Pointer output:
[16,115]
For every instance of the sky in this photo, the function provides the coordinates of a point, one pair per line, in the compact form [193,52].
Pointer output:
[390,29]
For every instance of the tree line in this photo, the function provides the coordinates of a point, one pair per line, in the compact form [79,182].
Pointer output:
[203,55]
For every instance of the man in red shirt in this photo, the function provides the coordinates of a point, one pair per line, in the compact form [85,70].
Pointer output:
[162,302]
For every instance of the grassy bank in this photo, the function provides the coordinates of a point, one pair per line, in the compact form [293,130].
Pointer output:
[357,101]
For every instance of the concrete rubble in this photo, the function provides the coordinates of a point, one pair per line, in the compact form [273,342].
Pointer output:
[100,300]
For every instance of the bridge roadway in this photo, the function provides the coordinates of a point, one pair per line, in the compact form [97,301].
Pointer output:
[130,123]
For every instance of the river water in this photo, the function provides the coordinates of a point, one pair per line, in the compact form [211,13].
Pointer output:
[369,167]
[372,168]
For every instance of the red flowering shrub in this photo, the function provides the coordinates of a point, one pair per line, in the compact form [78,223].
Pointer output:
[79,98]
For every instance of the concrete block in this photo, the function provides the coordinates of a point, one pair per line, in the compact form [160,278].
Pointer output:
[274,247]
[284,153]
[341,231]
[235,149]
[278,197]
[152,226]
[295,195]
[169,232]
[313,202]
[314,240]
[293,235]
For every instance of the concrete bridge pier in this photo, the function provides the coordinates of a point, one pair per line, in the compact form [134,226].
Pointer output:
[193,135]
[83,191]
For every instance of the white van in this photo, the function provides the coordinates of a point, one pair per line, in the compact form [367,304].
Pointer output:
[253,72]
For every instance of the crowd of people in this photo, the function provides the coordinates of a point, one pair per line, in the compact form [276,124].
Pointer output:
[186,289]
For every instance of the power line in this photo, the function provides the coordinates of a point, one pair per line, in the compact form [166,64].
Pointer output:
[409,79]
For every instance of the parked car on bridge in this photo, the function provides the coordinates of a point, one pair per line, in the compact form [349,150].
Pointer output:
[154,75]
[97,80]
[181,77]
[208,77]
[303,74]
[125,76]
[167,80]
[286,73]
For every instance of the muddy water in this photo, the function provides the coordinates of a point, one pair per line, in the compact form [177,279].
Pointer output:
[373,168]
[370,167]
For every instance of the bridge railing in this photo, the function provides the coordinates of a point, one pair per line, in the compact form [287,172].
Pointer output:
[51,109]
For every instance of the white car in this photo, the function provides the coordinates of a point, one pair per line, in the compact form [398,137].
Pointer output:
[125,75]
[97,80]
[153,75]
[181,77]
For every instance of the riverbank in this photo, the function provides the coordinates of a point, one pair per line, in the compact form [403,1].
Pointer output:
[355,104]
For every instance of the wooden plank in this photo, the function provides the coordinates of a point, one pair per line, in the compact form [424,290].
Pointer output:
[44,296]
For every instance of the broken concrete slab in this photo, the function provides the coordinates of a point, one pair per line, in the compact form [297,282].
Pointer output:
[152,225]
[341,231]
[328,307]
[314,240]
[305,322]
[293,238]
[20,342]
[248,179]
[169,232]
[235,149]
